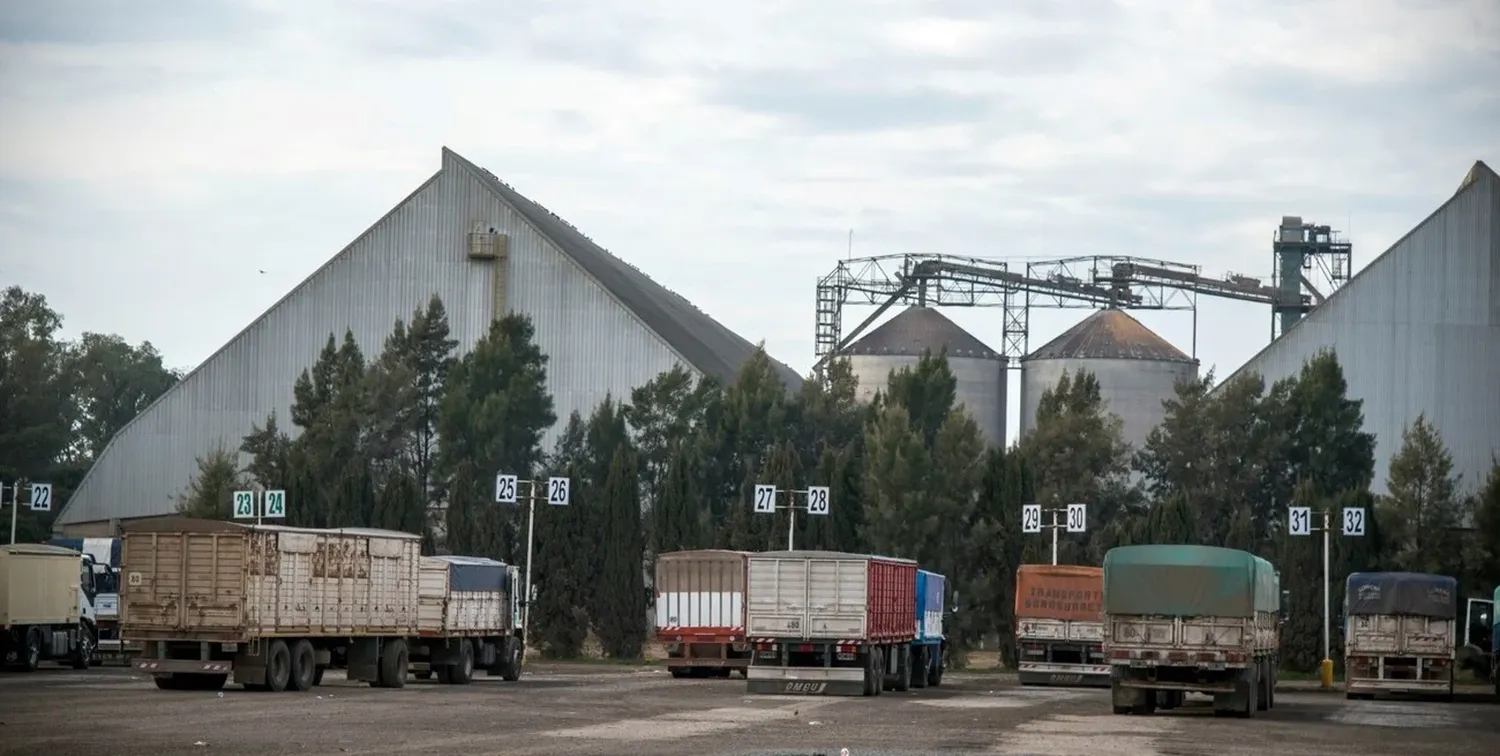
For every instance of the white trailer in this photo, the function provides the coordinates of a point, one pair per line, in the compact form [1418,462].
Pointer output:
[1400,634]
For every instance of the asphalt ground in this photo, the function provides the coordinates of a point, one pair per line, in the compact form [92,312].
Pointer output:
[579,710]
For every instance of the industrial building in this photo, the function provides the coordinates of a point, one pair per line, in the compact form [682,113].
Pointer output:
[978,370]
[1136,368]
[1418,331]
[485,250]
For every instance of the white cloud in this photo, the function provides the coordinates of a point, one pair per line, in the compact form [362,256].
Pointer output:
[724,148]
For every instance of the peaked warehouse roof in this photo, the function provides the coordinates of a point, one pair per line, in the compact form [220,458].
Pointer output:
[917,329]
[1110,335]
[701,340]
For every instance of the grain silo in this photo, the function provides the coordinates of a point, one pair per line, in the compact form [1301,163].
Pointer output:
[1136,368]
[900,342]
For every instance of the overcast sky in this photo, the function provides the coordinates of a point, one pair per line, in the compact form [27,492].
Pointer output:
[155,155]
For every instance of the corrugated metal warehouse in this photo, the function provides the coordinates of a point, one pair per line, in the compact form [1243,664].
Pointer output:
[484,249]
[1418,331]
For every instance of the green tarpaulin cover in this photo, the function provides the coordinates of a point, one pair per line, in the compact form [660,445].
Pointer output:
[1189,581]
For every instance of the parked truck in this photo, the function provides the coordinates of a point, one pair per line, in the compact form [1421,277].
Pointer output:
[1399,633]
[105,553]
[700,612]
[1495,642]
[822,622]
[274,607]
[46,606]
[1060,625]
[1184,619]
[1476,653]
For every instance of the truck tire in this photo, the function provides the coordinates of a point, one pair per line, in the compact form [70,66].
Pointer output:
[278,666]
[1263,687]
[83,654]
[31,650]
[394,660]
[304,665]
[169,682]
[903,670]
[935,672]
[1251,692]
[510,660]
[462,673]
[921,662]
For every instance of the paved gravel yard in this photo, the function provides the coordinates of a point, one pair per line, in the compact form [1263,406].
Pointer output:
[582,710]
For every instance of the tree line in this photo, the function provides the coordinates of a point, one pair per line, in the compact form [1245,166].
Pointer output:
[411,439]
[61,401]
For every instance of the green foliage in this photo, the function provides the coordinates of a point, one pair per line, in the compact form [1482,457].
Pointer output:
[210,495]
[620,619]
[1422,511]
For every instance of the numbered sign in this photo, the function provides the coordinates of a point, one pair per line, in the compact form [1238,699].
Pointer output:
[765,498]
[41,497]
[557,491]
[505,489]
[1299,520]
[244,505]
[276,503]
[1354,521]
[1078,518]
[1031,518]
[817,500]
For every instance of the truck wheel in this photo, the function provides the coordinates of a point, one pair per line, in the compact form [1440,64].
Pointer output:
[903,670]
[920,664]
[31,651]
[278,666]
[872,674]
[83,654]
[510,664]
[394,661]
[935,672]
[169,682]
[678,672]
[304,665]
[462,673]
[881,663]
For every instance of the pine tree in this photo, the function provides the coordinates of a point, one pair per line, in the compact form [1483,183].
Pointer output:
[621,621]
[678,512]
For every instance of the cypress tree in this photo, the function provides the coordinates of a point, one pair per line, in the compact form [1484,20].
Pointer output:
[621,621]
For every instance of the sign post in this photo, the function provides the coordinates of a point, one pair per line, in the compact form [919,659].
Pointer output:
[815,501]
[255,505]
[1075,520]
[1300,523]
[557,491]
[40,500]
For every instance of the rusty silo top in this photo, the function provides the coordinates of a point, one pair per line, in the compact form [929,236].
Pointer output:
[1110,335]
[917,329]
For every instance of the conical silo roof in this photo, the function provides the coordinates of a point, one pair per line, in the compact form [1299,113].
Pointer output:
[918,329]
[1110,335]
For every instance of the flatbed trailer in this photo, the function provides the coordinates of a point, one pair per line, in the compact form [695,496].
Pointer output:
[274,607]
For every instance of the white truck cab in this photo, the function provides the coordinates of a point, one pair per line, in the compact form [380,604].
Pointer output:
[47,609]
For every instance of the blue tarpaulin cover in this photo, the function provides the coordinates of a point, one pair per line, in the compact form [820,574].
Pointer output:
[469,574]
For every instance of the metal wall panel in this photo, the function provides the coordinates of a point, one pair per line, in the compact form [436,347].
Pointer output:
[595,346]
[1132,389]
[1418,331]
[980,386]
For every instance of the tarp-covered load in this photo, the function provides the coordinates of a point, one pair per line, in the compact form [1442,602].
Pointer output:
[1188,581]
[476,574]
[1410,593]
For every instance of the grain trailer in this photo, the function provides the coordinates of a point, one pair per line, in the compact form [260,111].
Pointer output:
[825,622]
[700,611]
[1184,619]
[1060,625]
[1400,633]
[469,617]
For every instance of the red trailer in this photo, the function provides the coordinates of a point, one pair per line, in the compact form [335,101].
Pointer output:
[830,622]
[700,611]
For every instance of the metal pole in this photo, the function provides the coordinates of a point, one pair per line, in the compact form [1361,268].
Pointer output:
[1054,536]
[1327,672]
[791,521]
[530,541]
[15,506]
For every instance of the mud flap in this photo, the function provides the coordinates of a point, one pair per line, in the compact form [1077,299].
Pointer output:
[364,655]
[1125,700]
